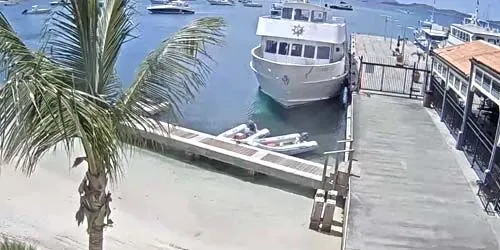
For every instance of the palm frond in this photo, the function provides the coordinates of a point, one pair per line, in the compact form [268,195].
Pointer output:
[7,244]
[39,111]
[171,74]
[115,27]
[73,41]
[12,48]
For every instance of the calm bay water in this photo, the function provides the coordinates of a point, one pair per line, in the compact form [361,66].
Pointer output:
[231,96]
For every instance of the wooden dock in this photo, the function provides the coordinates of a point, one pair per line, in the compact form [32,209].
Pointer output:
[289,168]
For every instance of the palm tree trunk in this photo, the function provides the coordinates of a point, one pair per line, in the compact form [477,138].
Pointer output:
[94,206]
[96,237]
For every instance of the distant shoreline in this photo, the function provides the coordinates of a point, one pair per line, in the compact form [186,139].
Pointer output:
[426,7]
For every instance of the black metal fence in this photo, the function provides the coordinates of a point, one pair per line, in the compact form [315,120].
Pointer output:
[391,78]
[476,145]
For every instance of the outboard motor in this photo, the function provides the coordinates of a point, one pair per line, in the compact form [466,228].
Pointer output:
[304,136]
[24,12]
[252,126]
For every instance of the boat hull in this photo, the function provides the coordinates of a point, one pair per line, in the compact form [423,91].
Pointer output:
[37,12]
[254,5]
[340,7]
[218,2]
[171,11]
[293,85]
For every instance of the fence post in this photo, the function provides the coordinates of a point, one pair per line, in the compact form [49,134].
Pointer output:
[382,79]
[404,83]
[412,78]
[360,73]
[323,181]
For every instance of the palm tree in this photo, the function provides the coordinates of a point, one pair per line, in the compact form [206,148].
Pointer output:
[73,95]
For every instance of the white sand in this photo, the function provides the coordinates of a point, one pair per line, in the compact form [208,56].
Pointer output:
[161,204]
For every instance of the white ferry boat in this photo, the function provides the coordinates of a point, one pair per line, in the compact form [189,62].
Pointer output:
[302,54]
[471,29]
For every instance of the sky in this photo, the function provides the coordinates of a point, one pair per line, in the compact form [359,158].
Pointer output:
[488,8]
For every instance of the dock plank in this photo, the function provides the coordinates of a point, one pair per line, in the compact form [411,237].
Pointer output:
[301,166]
[229,146]
[184,134]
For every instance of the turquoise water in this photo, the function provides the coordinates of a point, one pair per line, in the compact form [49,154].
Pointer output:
[231,96]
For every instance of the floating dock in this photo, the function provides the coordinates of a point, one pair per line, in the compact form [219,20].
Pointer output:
[288,168]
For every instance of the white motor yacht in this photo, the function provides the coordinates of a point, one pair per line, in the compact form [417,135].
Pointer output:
[221,2]
[35,9]
[154,2]
[9,2]
[430,32]
[174,7]
[302,54]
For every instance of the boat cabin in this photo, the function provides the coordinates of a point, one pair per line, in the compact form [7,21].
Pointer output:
[303,34]
[472,30]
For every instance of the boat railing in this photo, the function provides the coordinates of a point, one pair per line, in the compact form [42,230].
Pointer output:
[333,20]
[257,53]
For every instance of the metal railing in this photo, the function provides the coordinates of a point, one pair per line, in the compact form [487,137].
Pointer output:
[338,154]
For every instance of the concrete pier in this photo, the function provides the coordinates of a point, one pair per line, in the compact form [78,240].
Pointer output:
[412,192]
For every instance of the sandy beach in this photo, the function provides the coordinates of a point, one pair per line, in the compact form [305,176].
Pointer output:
[162,203]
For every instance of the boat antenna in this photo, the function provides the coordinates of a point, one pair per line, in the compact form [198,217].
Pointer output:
[433,10]
[476,13]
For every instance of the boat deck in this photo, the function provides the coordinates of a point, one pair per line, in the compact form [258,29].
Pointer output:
[289,168]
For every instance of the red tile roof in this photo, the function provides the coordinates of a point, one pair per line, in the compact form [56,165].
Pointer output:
[460,55]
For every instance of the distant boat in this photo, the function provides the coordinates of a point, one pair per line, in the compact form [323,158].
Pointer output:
[58,3]
[159,1]
[429,31]
[341,6]
[9,3]
[35,9]
[252,4]
[405,11]
[174,7]
[221,2]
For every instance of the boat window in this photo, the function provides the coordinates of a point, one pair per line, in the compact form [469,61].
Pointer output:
[323,52]
[479,38]
[271,46]
[296,50]
[286,13]
[283,50]
[318,16]
[302,15]
[309,51]
[454,32]
[492,41]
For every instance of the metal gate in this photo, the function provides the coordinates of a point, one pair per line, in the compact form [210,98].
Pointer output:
[393,79]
